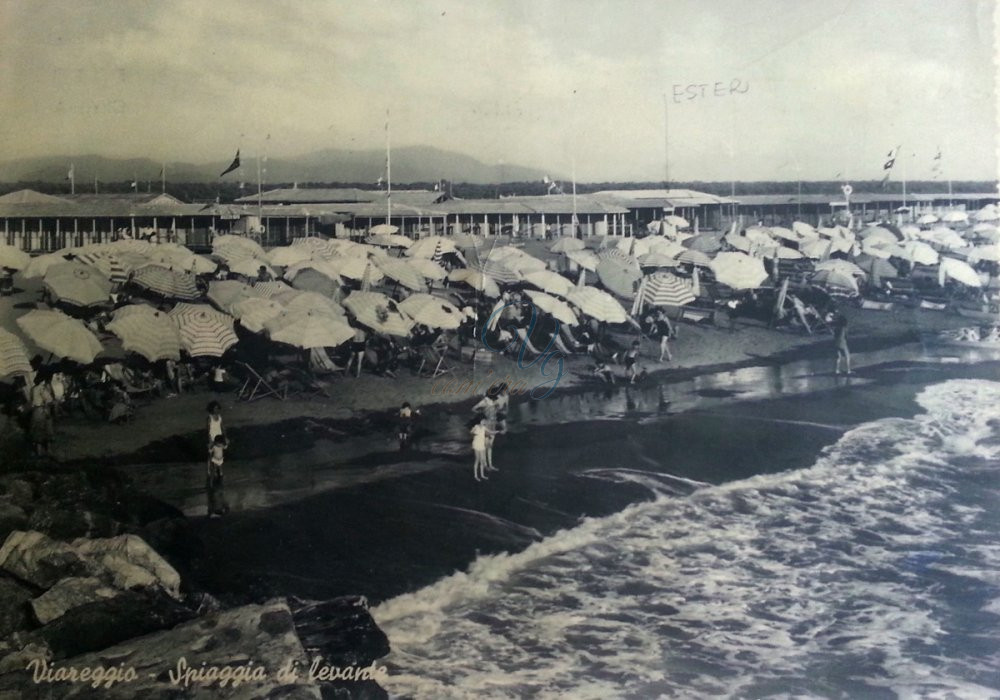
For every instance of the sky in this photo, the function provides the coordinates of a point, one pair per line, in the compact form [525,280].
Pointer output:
[793,89]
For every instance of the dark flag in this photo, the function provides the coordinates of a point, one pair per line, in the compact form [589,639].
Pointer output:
[890,159]
[232,166]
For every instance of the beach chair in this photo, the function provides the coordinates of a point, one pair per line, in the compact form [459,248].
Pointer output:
[320,363]
[256,387]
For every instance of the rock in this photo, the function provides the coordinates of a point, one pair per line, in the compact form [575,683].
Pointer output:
[261,634]
[64,523]
[19,491]
[68,594]
[132,563]
[340,630]
[39,560]
[12,517]
[18,660]
[14,608]
[109,621]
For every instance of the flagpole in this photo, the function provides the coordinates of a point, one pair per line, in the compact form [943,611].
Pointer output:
[72,178]
[163,178]
[260,217]
[388,172]
[666,143]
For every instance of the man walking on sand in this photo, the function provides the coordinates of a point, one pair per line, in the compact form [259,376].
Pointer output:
[839,325]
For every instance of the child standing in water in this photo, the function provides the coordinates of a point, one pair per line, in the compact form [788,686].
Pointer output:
[217,505]
[480,433]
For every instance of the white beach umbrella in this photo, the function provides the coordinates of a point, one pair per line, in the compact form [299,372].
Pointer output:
[549,281]
[959,271]
[598,304]
[310,301]
[926,219]
[401,271]
[586,259]
[804,231]
[428,268]
[657,260]
[13,258]
[557,308]
[378,312]
[836,280]
[843,267]
[678,221]
[987,253]
[475,279]
[916,252]
[664,246]
[738,271]
[221,245]
[308,329]
[955,217]
[389,240]
[39,265]
[987,213]
[253,312]
[431,311]
[384,229]
[57,333]
[818,248]
[77,284]
[285,256]
[431,247]
[225,293]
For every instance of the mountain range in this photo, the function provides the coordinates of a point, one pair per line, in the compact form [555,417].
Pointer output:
[409,164]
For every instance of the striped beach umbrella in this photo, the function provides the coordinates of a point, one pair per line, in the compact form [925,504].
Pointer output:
[389,240]
[620,276]
[234,245]
[664,246]
[326,267]
[152,335]
[57,333]
[432,311]
[253,313]
[738,271]
[77,284]
[438,256]
[107,262]
[269,290]
[285,256]
[171,284]
[13,258]
[317,247]
[557,308]
[475,279]
[13,355]
[180,258]
[497,271]
[225,293]
[400,271]
[426,247]
[695,257]
[549,281]
[378,312]
[665,289]
[308,329]
[204,331]
[428,268]
[598,304]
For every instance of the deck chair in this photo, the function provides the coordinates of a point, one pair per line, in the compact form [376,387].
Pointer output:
[311,386]
[256,387]
[436,354]
[320,363]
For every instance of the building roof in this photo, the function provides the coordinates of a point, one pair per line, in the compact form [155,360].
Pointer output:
[346,195]
[539,204]
[860,198]
[31,204]
[660,198]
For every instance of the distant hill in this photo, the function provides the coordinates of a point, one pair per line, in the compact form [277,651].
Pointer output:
[409,164]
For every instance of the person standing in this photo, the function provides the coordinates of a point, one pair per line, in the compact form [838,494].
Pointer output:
[631,362]
[839,326]
[215,427]
[219,378]
[479,433]
[358,343]
[217,505]
[41,427]
[488,408]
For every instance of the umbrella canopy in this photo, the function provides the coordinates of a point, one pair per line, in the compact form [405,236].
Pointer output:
[738,271]
[785,234]
[695,257]
[760,234]
[151,334]
[497,271]
[431,247]
[311,301]
[475,279]
[249,267]
[876,267]
[311,280]
[878,249]
[843,267]
[620,276]
[878,234]
[657,260]
[326,267]
[835,279]
[925,219]
[916,252]
[13,355]
[517,260]
[308,329]
[284,256]
[107,263]
[57,333]
[804,231]
[402,272]
[586,259]
[225,293]
[378,312]
[817,248]
[428,268]
[705,242]
[987,213]
[254,312]
[955,217]
[564,245]
[171,284]
[39,265]
[549,281]
[678,221]
[740,243]
[317,247]
[431,311]
[384,229]
[960,272]
[204,331]
[783,252]
[945,237]
[355,268]
[271,289]
[77,284]
[180,258]
[988,253]
[557,308]
[598,304]
[13,258]
[664,246]
[665,289]
[389,240]
[250,248]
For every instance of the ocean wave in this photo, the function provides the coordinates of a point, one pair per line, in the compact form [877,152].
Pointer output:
[873,572]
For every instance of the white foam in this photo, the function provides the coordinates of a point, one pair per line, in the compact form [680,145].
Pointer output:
[760,586]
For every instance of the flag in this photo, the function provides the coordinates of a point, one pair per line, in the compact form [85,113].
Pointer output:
[135,184]
[936,167]
[378,183]
[72,172]
[232,166]
[890,159]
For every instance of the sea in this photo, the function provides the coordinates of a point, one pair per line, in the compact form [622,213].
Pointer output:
[872,571]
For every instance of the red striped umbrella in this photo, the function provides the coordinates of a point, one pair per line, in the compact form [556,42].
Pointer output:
[171,284]
[204,331]
[665,289]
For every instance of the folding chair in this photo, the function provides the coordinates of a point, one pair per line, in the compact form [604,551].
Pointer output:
[256,387]
[435,354]
[320,363]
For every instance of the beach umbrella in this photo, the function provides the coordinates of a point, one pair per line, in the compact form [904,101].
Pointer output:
[759,234]
[925,219]
[879,234]
[354,268]
[310,280]
[77,284]
[664,246]
[316,246]
[171,284]
[311,301]
[13,258]
[665,289]
[945,237]
[803,230]
[678,221]
[230,243]
[843,267]
[984,228]
[738,271]
[549,281]
[180,258]
[378,312]
[428,268]
[910,231]
[249,267]
[598,304]
[285,256]
[204,331]
[308,329]
[584,258]
[39,265]
[877,248]
[326,267]
[475,279]
[657,260]
[270,289]
[151,334]
[432,311]
[835,279]
[400,271]
[784,233]
[431,247]
[107,263]
[389,240]
[741,243]
[613,254]
[383,229]
[987,253]
[818,248]
[640,247]
[705,242]
[137,309]
[557,308]
[876,267]
[916,252]
[129,245]
[518,261]
[695,257]
[564,245]
[497,271]
[225,293]
[783,252]
[57,333]
[953,217]
[987,213]
[254,312]
[958,271]
[619,276]
[13,355]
